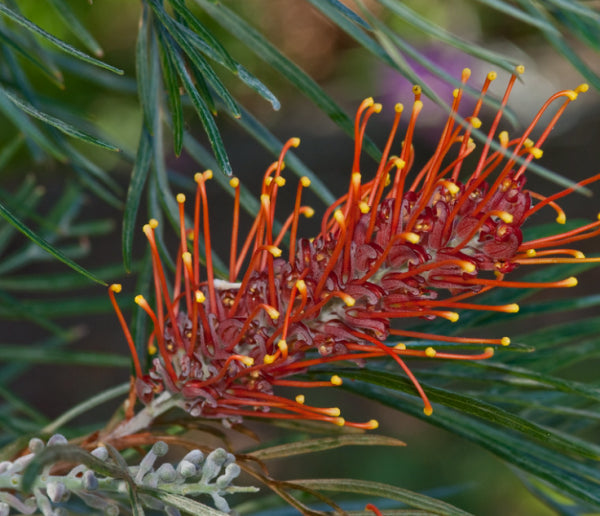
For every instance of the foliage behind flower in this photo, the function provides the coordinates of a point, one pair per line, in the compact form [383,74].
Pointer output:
[398,246]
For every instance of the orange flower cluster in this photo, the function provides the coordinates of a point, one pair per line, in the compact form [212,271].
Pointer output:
[400,245]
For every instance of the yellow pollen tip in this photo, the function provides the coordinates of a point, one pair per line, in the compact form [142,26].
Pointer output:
[308,212]
[280,181]
[492,76]
[187,256]
[505,217]
[275,251]
[333,411]
[152,349]
[340,421]
[198,177]
[207,174]
[417,90]
[388,180]
[305,181]
[401,346]
[356,177]
[247,361]
[116,287]
[489,351]
[531,253]
[455,92]
[513,308]
[505,341]
[453,316]
[452,187]
[561,219]
[268,181]
[572,95]
[466,73]
[579,255]
[399,163]
[377,108]
[180,198]
[528,143]
[139,299]
[467,266]
[520,69]
[430,352]
[537,152]
[411,237]
[282,345]
[272,313]
[398,108]
[503,137]
[364,207]
[339,216]
[199,296]
[582,88]
[301,286]
[153,223]
[372,424]
[269,359]
[349,300]
[368,102]
[475,122]
[336,380]
[598,216]
[234,182]
[265,198]
[418,105]
[300,399]
[571,282]
[294,142]
[427,410]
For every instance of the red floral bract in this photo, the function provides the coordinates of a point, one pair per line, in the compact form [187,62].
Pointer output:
[400,245]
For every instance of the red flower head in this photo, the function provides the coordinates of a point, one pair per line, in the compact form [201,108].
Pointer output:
[400,245]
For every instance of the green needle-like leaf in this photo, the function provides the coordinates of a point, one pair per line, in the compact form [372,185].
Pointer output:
[76,27]
[17,18]
[380,490]
[55,122]
[34,237]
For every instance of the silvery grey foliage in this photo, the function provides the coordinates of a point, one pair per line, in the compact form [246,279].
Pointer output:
[159,487]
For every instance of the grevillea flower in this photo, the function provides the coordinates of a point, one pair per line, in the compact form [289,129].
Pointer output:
[399,245]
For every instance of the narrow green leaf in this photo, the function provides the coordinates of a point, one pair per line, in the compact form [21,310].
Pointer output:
[28,128]
[558,42]
[146,67]
[439,33]
[348,13]
[42,355]
[559,470]
[485,411]
[223,56]
[201,70]
[174,96]
[76,27]
[510,10]
[51,73]
[324,443]
[268,53]
[10,150]
[203,111]
[24,22]
[7,214]
[578,8]
[182,503]
[59,124]
[244,75]
[380,490]
[57,282]
[139,175]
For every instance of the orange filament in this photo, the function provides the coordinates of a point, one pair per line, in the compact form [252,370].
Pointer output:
[116,288]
